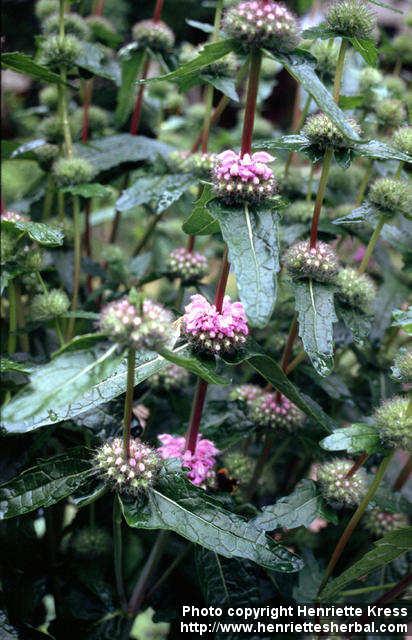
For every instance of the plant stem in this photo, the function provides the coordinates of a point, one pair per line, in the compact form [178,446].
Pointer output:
[372,243]
[262,460]
[170,569]
[221,285]
[77,265]
[137,112]
[403,475]
[210,89]
[87,99]
[339,70]
[399,170]
[295,362]
[357,465]
[250,107]
[327,160]
[370,589]
[48,198]
[60,206]
[128,403]
[364,183]
[23,338]
[155,219]
[344,539]
[396,590]
[287,352]
[12,339]
[117,549]
[158,10]
[140,589]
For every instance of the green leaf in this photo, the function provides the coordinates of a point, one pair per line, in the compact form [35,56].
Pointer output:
[22,63]
[112,151]
[387,549]
[225,424]
[26,149]
[45,484]
[88,190]
[294,142]
[386,500]
[360,215]
[223,84]
[379,3]
[402,318]
[359,323]
[10,365]
[177,505]
[380,150]
[321,31]
[202,26]
[299,509]
[252,240]
[210,53]
[367,49]
[93,58]
[358,438]
[158,191]
[37,231]
[205,369]
[316,316]
[130,62]
[201,222]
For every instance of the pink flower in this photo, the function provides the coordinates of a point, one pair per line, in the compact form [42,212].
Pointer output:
[317,525]
[244,177]
[200,463]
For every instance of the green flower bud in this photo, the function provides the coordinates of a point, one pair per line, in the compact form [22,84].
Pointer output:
[172,378]
[298,212]
[50,128]
[98,121]
[49,96]
[402,46]
[72,171]
[402,366]
[381,522]
[74,25]
[390,113]
[394,424]
[322,132]
[157,36]
[326,59]
[101,29]
[351,18]
[239,466]
[56,53]
[189,266]
[395,86]
[91,543]
[343,183]
[319,263]
[45,8]
[370,79]
[7,245]
[402,140]
[389,195]
[355,290]
[336,487]
[33,260]
[48,305]
[46,155]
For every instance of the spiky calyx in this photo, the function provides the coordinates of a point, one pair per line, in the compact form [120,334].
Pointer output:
[389,195]
[298,212]
[57,52]
[8,241]
[74,25]
[156,36]
[323,133]
[262,23]
[46,155]
[131,474]
[32,259]
[172,378]
[381,522]
[336,487]
[402,140]
[370,78]
[246,394]
[101,29]
[394,424]
[396,86]
[45,8]
[319,263]
[268,411]
[239,466]
[402,46]
[189,266]
[238,179]
[91,543]
[344,181]
[72,171]
[390,113]
[355,290]
[49,97]
[212,331]
[98,120]
[351,18]
[48,305]
[201,164]
[402,366]
[50,129]
[326,59]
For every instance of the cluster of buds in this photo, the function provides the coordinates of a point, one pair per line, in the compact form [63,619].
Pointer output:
[170,379]
[200,164]
[72,171]
[402,139]
[277,413]
[49,97]
[351,18]
[244,178]
[337,487]
[46,155]
[319,263]
[381,522]
[148,328]
[355,290]
[402,366]
[155,35]
[189,266]
[246,394]
[74,25]
[48,305]
[394,423]
[45,8]
[323,133]
[200,464]
[299,212]
[101,29]
[262,23]
[213,331]
[370,79]
[91,543]
[390,113]
[13,216]
[131,473]
[390,196]
[59,52]
[239,466]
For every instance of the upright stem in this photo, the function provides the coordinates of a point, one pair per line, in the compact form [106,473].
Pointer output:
[63,91]
[48,198]
[221,285]
[327,160]
[399,170]
[403,475]
[310,183]
[158,10]
[117,549]
[137,112]
[140,589]
[155,219]
[364,183]
[23,338]
[339,70]
[357,465]
[344,539]
[287,352]
[250,108]
[210,89]
[87,99]
[12,339]
[372,243]
[128,403]
[77,264]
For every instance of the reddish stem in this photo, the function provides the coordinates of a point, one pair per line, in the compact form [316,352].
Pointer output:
[357,465]
[158,10]
[190,243]
[287,352]
[403,475]
[221,285]
[250,108]
[137,112]
[98,10]
[87,98]
[196,415]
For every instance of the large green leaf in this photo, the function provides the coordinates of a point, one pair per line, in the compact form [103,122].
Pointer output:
[88,190]
[111,151]
[316,316]
[299,509]
[387,549]
[25,150]
[45,484]
[205,369]
[93,59]
[158,191]
[24,64]
[177,505]
[37,231]
[252,240]
[10,365]
[72,383]
[130,62]
[358,438]
[201,222]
